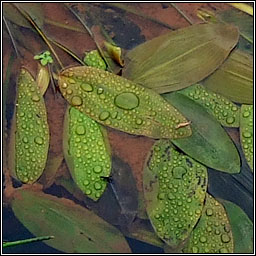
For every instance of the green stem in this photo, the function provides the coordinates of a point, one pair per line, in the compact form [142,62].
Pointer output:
[26,241]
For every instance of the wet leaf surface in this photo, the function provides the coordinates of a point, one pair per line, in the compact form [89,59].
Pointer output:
[174,188]
[181,58]
[209,143]
[76,229]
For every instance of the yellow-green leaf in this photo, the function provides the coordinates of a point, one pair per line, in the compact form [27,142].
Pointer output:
[180,58]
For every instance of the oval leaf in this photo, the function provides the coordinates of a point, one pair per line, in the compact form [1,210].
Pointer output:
[75,229]
[246,133]
[43,79]
[181,58]
[30,130]
[121,104]
[86,152]
[174,187]
[234,79]
[242,227]
[212,233]
[209,143]
[226,112]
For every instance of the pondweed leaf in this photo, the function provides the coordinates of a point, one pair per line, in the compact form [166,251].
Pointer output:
[212,233]
[234,79]
[75,229]
[242,227]
[86,152]
[226,112]
[209,143]
[121,104]
[174,188]
[30,132]
[181,58]
[246,132]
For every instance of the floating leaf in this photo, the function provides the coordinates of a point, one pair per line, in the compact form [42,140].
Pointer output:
[86,152]
[30,131]
[76,229]
[212,233]
[174,187]
[94,59]
[234,79]
[246,132]
[43,79]
[226,112]
[209,143]
[181,58]
[121,104]
[242,227]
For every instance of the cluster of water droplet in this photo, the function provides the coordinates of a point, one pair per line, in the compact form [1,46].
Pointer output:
[119,103]
[213,233]
[91,160]
[246,132]
[179,195]
[94,59]
[226,112]
[32,132]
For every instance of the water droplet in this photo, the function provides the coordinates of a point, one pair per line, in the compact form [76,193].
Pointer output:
[195,249]
[127,100]
[97,169]
[64,85]
[39,140]
[76,101]
[246,114]
[139,121]
[86,182]
[35,98]
[225,238]
[104,115]
[100,91]
[25,179]
[203,239]
[80,130]
[223,250]
[72,81]
[97,185]
[86,87]
[171,196]
[88,191]
[25,140]
[178,172]
[209,212]
[230,120]
[161,196]
[69,91]
[247,134]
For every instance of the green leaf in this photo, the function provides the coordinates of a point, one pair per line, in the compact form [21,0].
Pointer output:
[174,188]
[246,132]
[121,104]
[181,58]
[212,233]
[234,79]
[226,112]
[242,227]
[76,229]
[30,131]
[86,152]
[94,59]
[209,143]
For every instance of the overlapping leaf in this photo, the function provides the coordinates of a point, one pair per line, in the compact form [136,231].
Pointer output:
[181,58]
[209,143]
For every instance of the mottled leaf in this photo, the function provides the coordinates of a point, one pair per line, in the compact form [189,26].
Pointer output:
[174,187]
[86,152]
[212,233]
[76,229]
[242,227]
[226,112]
[234,79]
[246,132]
[121,104]
[30,131]
[209,143]
[181,58]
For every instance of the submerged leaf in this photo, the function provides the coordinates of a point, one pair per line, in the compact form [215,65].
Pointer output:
[246,132]
[212,233]
[181,58]
[30,131]
[226,112]
[242,227]
[174,187]
[234,79]
[121,104]
[76,229]
[86,152]
[209,143]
